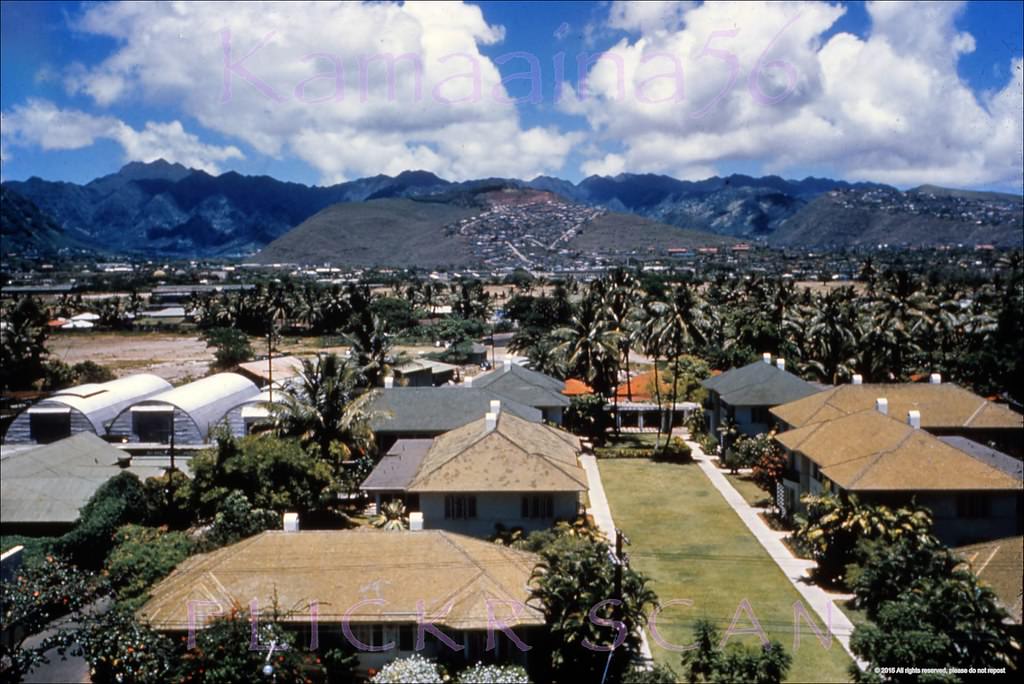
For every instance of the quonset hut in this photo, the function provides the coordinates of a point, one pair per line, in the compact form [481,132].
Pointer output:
[188,412]
[85,408]
[241,419]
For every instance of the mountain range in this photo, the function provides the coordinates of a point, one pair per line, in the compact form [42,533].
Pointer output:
[165,208]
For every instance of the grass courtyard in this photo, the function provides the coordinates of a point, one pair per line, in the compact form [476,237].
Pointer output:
[687,539]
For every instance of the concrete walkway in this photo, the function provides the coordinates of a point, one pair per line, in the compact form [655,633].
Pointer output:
[602,515]
[795,569]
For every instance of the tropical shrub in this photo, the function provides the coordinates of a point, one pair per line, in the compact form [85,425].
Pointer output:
[141,556]
[493,674]
[120,500]
[391,516]
[587,417]
[737,663]
[675,451]
[412,670]
[231,346]
[237,519]
[120,649]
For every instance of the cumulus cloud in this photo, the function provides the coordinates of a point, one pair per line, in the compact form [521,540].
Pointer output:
[352,89]
[43,124]
[758,81]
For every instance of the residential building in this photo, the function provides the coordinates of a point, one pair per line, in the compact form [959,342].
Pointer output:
[424,373]
[85,408]
[184,414]
[500,470]
[279,369]
[426,412]
[643,402]
[999,564]
[43,488]
[379,583]
[528,387]
[889,461]
[744,396]
[945,409]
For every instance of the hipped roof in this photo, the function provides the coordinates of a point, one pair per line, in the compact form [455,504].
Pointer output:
[340,568]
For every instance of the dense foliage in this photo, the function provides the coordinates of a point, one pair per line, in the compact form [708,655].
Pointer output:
[708,662]
[141,556]
[414,669]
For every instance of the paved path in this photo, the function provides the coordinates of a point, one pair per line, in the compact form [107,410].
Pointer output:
[602,515]
[795,569]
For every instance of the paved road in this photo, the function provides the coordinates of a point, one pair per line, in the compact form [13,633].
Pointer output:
[602,515]
[795,569]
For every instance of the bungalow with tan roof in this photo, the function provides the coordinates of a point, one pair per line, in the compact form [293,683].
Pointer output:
[882,459]
[945,410]
[497,470]
[368,589]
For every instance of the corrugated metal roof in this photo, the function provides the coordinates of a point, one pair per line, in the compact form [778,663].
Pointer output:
[339,569]
[49,484]
[206,401]
[101,402]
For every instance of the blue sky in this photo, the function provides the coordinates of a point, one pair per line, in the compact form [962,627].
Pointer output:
[902,93]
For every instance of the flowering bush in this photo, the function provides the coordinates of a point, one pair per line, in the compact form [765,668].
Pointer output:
[412,670]
[493,674]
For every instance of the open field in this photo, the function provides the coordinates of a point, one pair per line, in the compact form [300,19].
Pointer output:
[173,357]
[687,539]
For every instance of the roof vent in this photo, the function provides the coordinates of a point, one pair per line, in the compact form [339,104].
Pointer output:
[389,381]
[882,405]
[935,379]
[858,379]
[495,406]
[415,521]
[490,421]
[766,357]
[780,364]
[124,460]
[508,364]
[291,522]
[914,419]
[468,382]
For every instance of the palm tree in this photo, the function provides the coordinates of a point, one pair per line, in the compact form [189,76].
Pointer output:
[831,328]
[372,348]
[324,410]
[589,346]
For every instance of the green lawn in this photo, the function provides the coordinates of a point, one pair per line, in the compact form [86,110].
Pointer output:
[687,539]
[754,495]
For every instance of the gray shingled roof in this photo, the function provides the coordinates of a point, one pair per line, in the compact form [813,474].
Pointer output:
[437,409]
[399,466]
[49,484]
[524,386]
[987,455]
[759,384]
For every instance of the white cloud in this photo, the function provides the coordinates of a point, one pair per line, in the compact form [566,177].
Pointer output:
[648,16]
[313,79]
[887,107]
[43,124]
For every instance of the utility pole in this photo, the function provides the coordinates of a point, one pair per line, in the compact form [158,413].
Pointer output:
[619,560]
[172,444]
[270,364]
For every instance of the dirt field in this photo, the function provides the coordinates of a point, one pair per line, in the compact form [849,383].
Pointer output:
[172,357]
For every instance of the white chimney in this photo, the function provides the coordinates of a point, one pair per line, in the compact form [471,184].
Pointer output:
[389,381]
[766,357]
[858,379]
[291,522]
[780,364]
[935,379]
[508,364]
[914,419]
[490,421]
[415,521]
[495,406]
[468,382]
[882,405]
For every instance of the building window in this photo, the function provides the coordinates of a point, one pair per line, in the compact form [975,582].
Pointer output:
[406,638]
[49,427]
[153,426]
[538,507]
[972,506]
[459,507]
[760,414]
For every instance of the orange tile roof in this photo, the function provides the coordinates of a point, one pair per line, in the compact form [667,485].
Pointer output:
[641,387]
[575,388]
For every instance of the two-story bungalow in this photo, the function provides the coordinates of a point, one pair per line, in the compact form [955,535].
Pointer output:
[745,395]
[973,496]
[497,470]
